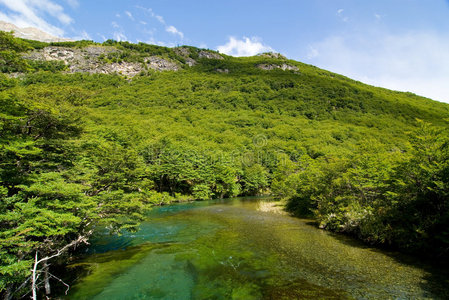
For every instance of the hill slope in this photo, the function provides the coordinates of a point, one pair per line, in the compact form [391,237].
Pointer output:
[98,133]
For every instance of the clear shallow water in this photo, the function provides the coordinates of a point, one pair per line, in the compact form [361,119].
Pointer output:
[233,249]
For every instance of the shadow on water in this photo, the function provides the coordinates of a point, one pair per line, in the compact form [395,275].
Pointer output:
[91,273]
[436,279]
[248,284]
[301,289]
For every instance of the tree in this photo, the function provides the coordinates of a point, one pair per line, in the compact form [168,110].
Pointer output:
[10,58]
[255,179]
[422,193]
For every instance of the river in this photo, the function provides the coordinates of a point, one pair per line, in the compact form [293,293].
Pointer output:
[244,249]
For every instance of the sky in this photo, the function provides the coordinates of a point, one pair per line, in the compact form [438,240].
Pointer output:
[398,44]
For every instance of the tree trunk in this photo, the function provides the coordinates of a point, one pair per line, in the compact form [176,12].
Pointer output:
[7,295]
[34,278]
[46,279]
[34,274]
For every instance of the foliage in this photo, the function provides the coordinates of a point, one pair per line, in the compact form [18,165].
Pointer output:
[10,58]
[395,198]
[85,150]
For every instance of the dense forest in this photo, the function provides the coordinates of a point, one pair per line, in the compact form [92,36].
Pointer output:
[80,150]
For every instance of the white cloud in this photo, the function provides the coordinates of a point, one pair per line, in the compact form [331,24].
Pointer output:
[168,28]
[173,30]
[83,35]
[150,31]
[73,3]
[130,15]
[120,36]
[245,47]
[102,36]
[415,61]
[153,41]
[160,19]
[341,16]
[32,13]
[313,52]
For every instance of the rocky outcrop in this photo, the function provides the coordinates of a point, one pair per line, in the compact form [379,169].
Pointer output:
[273,66]
[209,55]
[190,62]
[182,51]
[272,55]
[160,64]
[283,67]
[124,68]
[54,53]
[69,56]
[88,60]
[185,53]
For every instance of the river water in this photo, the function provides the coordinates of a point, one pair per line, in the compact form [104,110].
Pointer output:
[244,249]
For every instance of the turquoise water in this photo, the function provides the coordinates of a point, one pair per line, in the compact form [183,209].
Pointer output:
[244,249]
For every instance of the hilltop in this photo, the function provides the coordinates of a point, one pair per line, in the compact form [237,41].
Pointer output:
[30,33]
[97,133]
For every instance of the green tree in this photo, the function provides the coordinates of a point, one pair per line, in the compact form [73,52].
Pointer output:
[422,193]
[10,57]
[255,179]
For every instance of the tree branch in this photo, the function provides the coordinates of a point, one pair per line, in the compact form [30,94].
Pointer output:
[80,239]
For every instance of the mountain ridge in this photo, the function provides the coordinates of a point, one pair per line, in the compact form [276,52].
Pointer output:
[34,34]
[31,33]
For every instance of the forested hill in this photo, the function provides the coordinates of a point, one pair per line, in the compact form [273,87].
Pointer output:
[97,133]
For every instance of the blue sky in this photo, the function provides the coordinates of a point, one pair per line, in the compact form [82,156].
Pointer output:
[398,44]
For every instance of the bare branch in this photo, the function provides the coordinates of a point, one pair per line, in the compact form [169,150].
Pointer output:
[60,280]
[80,239]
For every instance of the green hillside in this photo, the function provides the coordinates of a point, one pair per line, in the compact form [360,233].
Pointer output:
[80,149]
